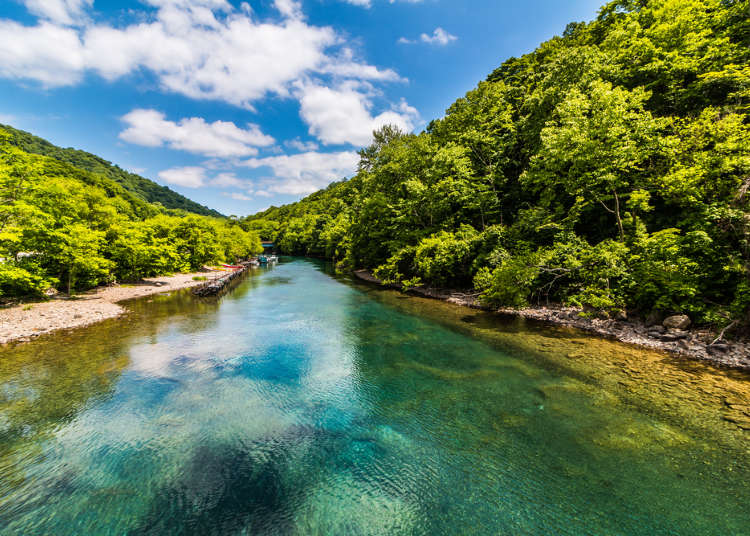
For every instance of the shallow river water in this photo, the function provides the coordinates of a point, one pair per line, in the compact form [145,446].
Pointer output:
[303,403]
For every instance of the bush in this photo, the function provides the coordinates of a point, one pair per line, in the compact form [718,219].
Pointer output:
[17,282]
[666,276]
[397,268]
[446,258]
[511,283]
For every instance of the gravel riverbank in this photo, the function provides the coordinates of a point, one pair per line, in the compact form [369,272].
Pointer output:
[694,344]
[23,322]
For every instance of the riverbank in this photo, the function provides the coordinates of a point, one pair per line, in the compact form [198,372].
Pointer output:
[693,344]
[23,322]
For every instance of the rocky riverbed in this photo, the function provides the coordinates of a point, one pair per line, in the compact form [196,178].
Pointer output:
[695,344]
[23,322]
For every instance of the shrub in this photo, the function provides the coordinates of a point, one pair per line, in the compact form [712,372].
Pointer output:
[17,282]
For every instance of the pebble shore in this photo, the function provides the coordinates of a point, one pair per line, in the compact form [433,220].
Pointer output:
[24,322]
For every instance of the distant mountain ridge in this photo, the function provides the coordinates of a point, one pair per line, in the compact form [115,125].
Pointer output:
[142,187]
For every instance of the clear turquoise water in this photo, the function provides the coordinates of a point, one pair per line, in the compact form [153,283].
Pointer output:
[300,403]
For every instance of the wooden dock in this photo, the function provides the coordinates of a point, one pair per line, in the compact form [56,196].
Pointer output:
[214,286]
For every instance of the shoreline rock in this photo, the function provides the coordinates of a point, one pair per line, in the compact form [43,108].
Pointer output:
[673,340]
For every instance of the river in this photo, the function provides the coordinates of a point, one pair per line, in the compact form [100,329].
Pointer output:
[306,403]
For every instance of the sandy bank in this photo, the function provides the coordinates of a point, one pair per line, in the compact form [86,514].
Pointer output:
[693,344]
[23,322]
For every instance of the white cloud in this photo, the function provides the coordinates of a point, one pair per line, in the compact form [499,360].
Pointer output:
[59,11]
[188,177]
[203,50]
[363,3]
[343,115]
[219,139]
[238,62]
[207,49]
[304,146]
[289,8]
[368,3]
[304,173]
[50,54]
[228,180]
[439,37]
[237,196]
[196,177]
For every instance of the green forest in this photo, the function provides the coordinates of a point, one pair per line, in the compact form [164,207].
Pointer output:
[609,169]
[63,227]
[144,188]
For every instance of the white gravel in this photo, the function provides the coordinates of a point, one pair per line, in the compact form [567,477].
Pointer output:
[23,322]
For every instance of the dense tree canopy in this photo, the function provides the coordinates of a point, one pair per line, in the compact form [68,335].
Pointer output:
[609,168]
[64,227]
[144,188]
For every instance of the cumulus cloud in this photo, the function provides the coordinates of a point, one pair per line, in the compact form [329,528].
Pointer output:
[304,173]
[439,37]
[289,8]
[363,3]
[50,54]
[238,61]
[203,50]
[218,139]
[228,180]
[302,146]
[188,177]
[206,49]
[65,12]
[343,115]
[368,3]
[198,177]
[211,49]
[237,196]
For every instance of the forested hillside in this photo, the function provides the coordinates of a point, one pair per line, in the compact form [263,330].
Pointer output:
[608,169]
[144,188]
[65,227]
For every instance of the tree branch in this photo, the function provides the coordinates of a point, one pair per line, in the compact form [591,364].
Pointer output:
[723,331]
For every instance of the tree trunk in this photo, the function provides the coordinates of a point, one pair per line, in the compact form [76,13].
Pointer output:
[617,215]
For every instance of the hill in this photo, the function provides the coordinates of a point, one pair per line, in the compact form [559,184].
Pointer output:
[608,169]
[144,188]
[68,228]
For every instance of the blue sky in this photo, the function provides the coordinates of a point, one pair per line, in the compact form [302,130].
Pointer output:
[243,105]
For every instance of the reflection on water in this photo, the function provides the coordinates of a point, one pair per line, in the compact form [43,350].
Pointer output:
[300,403]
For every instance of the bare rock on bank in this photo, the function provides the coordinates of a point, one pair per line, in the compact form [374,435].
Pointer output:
[677,322]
